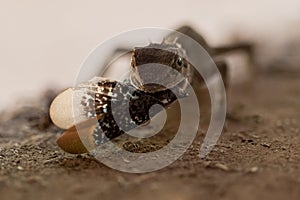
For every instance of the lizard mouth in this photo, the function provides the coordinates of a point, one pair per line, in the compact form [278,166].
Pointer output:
[152,87]
[148,87]
[149,81]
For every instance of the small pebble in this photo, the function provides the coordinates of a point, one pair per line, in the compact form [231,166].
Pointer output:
[222,166]
[266,145]
[253,169]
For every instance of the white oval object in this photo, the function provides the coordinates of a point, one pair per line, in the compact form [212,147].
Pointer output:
[61,109]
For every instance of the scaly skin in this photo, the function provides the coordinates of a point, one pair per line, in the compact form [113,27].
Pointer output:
[171,52]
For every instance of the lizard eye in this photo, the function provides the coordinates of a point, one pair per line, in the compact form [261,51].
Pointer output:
[179,61]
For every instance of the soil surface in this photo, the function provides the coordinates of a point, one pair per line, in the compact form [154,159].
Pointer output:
[257,156]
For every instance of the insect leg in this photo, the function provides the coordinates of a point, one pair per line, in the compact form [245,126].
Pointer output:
[215,51]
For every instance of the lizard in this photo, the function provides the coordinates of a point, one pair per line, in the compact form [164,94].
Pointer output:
[171,52]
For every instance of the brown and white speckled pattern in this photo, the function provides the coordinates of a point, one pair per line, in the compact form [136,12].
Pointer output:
[257,156]
[123,107]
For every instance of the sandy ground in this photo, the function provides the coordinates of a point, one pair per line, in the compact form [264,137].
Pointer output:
[257,156]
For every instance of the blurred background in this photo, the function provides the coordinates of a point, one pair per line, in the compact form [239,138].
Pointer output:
[43,43]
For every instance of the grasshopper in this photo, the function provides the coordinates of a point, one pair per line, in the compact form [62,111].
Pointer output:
[138,92]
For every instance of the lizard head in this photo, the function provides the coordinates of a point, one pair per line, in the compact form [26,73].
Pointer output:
[157,67]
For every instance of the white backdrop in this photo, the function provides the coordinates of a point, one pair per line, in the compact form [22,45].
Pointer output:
[43,42]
